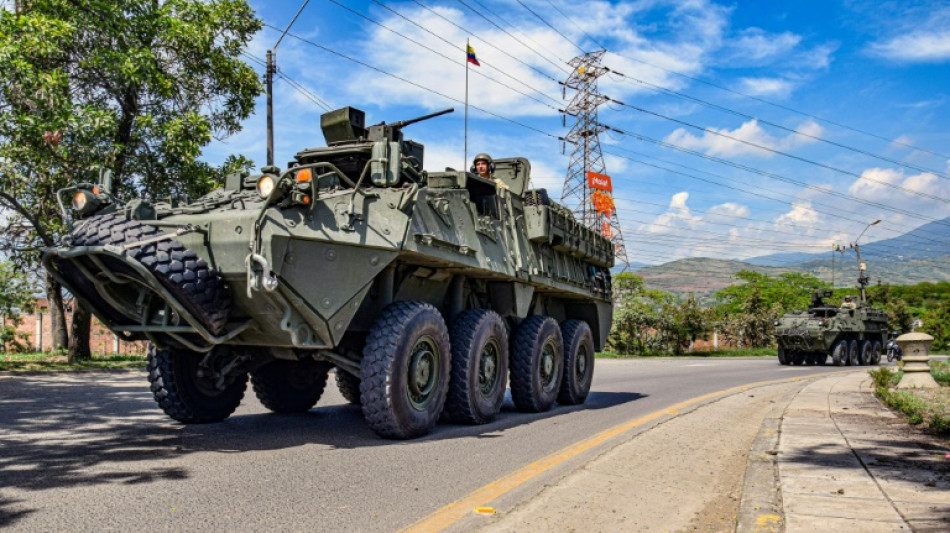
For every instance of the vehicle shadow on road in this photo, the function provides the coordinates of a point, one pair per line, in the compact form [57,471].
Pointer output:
[59,433]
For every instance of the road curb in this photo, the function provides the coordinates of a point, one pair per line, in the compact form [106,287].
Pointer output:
[760,507]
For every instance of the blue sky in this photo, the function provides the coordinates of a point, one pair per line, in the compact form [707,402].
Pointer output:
[852,100]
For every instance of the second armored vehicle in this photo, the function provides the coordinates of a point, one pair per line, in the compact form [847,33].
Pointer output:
[424,289]
[849,335]
[852,334]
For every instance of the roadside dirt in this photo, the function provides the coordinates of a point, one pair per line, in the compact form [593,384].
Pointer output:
[640,485]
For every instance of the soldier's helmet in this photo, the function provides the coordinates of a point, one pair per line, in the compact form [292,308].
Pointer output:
[486,158]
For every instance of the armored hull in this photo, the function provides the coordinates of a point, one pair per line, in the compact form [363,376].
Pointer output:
[847,336]
[355,258]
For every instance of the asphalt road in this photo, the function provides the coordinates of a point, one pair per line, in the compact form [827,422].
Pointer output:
[92,451]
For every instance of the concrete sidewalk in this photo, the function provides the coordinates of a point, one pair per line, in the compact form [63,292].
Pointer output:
[844,462]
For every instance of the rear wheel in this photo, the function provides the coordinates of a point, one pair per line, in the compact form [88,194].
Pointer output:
[578,362]
[876,349]
[479,367]
[290,386]
[839,353]
[405,370]
[190,386]
[537,362]
[349,386]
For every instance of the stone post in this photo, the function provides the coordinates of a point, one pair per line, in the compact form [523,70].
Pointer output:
[39,330]
[916,347]
[716,340]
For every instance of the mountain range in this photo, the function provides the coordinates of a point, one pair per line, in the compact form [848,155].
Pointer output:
[919,255]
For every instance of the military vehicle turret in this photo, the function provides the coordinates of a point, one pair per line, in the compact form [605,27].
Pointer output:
[851,334]
[424,290]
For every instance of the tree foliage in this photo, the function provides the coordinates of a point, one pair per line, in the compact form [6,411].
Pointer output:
[652,321]
[135,86]
[17,296]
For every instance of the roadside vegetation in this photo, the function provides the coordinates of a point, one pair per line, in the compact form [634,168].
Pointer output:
[926,408]
[650,322]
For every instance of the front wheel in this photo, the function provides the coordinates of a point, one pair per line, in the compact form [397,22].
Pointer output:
[189,386]
[839,353]
[290,386]
[578,362]
[782,357]
[348,385]
[405,370]
[876,353]
[537,362]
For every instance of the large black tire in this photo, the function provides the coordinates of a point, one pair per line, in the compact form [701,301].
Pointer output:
[349,386]
[189,278]
[821,358]
[797,358]
[782,356]
[479,367]
[578,362]
[876,349]
[854,353]
[839,353]
[537,363]
[866,356]
[290,386]
[405,370]
[183,395]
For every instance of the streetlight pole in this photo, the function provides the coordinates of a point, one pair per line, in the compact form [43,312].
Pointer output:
[269,72]
[862,268]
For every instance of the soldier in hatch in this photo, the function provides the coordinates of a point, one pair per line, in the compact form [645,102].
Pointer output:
[848,304]
[484,167]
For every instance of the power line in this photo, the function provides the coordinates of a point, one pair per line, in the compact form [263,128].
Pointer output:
[446,41]
[747,96]
[417,85]
[724,109]
[487,43]
[779,152]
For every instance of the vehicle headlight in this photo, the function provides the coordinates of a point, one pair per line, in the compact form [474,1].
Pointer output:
[265,186]
[86,202]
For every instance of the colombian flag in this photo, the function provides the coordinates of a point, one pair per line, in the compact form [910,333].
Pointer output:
[471,56]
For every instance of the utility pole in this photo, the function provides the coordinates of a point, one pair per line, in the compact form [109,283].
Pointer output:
[588,190]
[269,72]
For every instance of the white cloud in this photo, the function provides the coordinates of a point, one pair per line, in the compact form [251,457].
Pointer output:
[766,86]
[917,47]
[722,142]
[800,213]
[755,46]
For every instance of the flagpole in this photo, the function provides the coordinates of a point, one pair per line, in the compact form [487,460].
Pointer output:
[465,161]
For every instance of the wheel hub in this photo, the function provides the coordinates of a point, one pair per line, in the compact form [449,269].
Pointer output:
[423,372]
[548,366]
[488,368]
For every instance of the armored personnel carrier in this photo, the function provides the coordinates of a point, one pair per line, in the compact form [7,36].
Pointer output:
[852,334]
[425,290]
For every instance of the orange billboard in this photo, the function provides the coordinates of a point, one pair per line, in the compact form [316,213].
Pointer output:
[599,181]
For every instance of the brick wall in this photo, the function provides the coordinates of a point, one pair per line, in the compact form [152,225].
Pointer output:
[101,340]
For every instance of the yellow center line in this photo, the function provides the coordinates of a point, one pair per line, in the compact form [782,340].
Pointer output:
[455,511]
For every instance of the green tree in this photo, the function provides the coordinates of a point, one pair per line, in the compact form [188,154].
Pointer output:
[689,323]
[136,86]
[790,290]
[937,323]
[17,296]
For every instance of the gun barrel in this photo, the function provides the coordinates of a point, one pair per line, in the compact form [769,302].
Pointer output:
[404,123]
